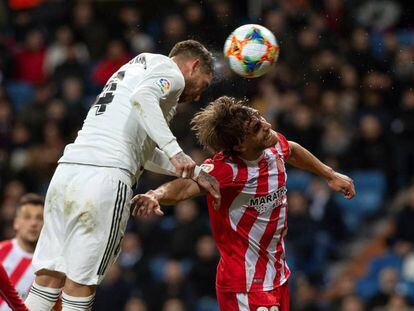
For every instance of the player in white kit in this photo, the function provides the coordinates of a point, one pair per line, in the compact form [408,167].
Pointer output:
[87,203]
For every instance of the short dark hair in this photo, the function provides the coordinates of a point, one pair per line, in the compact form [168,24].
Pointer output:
[224,124]
[194,49]
[30,198]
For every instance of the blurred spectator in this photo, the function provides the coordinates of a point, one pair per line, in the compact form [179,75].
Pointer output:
[173,305]
[34,113]
[135,304]
[188,229]
[302,128]
[352,303]
[404,229]
[64,44]
[302,233]
[116,56]
[30,59]
[113,292]
[75,104]
[202,274]
[398,303]
[174,30]
[403,128]
[306,295]
[173,287]
[370,148]
[195,21]
[88,29]
[388,279]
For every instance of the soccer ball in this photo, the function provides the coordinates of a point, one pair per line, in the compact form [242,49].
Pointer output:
[251,50]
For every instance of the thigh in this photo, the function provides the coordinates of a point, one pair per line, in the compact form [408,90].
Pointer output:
[49,250]
[228,301]
[97,214]
[274,300]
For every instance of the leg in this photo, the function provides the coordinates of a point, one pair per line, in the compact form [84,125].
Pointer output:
[45,290]
[77,297]
[52,279]
[228,301]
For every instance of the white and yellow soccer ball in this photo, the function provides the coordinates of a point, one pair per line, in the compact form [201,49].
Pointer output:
[251,50]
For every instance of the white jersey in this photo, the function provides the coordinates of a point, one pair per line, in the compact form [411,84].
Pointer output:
[18,265]
[131,116]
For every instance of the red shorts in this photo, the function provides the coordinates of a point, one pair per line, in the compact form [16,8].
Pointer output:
[274,300]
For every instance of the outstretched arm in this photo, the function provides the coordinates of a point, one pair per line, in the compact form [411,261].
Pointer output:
[159,163]
[303,159]
[175,191]
[167,194]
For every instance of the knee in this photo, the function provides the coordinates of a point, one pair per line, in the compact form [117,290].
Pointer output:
[78,290]
[48,278]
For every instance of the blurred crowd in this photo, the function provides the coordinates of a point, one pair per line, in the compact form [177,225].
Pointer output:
[342,87]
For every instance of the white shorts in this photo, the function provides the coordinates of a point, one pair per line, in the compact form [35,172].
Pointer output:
[85,216]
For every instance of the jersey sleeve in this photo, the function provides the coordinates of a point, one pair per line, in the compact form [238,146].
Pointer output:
[161,82]
[219,170]
[284,145]
[160,163]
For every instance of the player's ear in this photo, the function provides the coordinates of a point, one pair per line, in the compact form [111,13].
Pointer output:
[16,224]
[195,65]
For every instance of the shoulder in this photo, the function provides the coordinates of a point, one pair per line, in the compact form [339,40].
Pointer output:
[220,168]
[6,245]
[165,68]
[282,146]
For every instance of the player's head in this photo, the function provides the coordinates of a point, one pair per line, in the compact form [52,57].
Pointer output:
[29,218]
[196,64]
[230,125]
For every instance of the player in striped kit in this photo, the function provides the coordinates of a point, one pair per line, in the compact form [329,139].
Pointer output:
[9,293]
[250,226]
[16,254]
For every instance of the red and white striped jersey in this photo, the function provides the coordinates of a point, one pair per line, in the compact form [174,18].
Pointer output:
[18,265]
[251,223]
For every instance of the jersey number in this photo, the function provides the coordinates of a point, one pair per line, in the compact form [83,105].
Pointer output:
[274,308]
[107,94]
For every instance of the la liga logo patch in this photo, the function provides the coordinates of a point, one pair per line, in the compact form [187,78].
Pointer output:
[207,167]
[164,85]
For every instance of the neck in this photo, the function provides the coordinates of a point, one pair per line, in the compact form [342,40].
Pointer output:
[26,246]
[251,155]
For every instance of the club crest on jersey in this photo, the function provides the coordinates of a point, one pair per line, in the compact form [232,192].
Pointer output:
[274,199]
[207,167]
[164,85]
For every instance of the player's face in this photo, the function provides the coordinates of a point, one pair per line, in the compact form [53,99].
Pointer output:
[261,134]
[196,82]
[28,222]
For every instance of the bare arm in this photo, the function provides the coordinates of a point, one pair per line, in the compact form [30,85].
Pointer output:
[167,194]
[176,191]
[305,160]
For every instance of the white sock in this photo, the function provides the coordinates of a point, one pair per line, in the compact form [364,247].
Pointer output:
[70,303]
[42,298]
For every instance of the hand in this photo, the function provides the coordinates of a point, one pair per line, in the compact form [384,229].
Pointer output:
[342,183]
[184,165]
[210,184]
[146,204]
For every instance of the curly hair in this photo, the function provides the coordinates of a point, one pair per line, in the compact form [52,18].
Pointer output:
[223,124]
